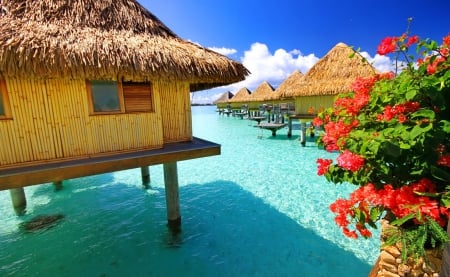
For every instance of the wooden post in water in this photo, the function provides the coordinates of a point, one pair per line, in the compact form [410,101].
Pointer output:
[19,200]
[58,185]
[289,134]
[303,133]
[145,174]
[172,196]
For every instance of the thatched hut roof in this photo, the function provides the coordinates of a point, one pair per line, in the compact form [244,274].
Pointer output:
[243,95]
[263,92]
[334,73]
[291,84]
[224,98]
[93,38]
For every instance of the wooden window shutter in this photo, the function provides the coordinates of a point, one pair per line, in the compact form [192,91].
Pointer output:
[137,97]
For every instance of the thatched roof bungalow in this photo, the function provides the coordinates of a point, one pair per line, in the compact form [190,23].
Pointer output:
[291,84]
[241,98]
[332,74]
[283,94]
[223,100]
[263,94]
[93,86]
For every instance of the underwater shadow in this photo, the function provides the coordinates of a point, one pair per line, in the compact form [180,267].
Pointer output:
[248,237]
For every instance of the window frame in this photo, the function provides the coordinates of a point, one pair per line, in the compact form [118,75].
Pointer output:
[91,99]
[121,96]
[5,101]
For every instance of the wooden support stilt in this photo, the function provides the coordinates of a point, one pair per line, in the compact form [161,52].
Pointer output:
[303,133]
[145,174]
[172,196]
[19,200]
[289,127]
[58,185]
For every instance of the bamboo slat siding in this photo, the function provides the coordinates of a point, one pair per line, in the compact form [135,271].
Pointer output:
[50,120]
[175,111]
[304,103]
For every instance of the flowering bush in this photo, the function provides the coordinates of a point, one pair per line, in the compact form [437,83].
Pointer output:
[392,132]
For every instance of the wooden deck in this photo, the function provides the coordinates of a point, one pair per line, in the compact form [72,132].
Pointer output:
[20,176]
[274,127]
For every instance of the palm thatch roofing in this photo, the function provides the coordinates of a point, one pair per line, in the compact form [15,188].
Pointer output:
[224,98]
[291,84]
[93,38]
[262,93]
[333,73]
[243,95]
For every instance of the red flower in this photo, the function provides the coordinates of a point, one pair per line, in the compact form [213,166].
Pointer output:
[387,45]
[363,230]
[323,165]
[350,234]
[432,67]
[335,131]
[444,160]
[412,40]
[317,121]
[350,161]
[446,40]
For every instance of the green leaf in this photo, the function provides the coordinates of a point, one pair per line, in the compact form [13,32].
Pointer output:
[410,94]
[445,125]
[419,130]
[445,199]
[390,149]
[402,220]
[423,113]
[440,174]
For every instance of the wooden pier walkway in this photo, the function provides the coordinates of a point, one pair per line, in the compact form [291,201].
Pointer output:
[274,127]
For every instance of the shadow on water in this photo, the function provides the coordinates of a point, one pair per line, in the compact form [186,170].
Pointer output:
[113,229]
[255,239]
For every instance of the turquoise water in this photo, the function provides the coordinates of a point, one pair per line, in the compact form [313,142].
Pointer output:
[258,209]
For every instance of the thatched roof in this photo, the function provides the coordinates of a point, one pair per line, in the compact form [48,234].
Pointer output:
[243,95]
[224,98]
[263,92]
[94,39]
[334,73]
[291,84]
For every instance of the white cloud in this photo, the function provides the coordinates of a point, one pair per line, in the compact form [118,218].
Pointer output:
[272,67]
[264,66]
[223,50]
[381,63]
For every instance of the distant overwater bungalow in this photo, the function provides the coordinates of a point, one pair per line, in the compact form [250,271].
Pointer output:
[262,95]
[222,102]
[331,75]
[241,98]
[310,93]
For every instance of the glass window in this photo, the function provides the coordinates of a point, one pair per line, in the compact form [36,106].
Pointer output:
[105,96]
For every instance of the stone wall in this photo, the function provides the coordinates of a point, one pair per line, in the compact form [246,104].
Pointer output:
[389,263]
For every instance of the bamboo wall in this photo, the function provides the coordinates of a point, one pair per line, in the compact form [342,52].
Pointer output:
[50,120]
[222,105]
[175,110]
[303,104]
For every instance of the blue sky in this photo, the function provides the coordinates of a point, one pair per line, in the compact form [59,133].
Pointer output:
[272,38]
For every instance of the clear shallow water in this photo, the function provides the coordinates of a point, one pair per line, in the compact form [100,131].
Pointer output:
[258,209]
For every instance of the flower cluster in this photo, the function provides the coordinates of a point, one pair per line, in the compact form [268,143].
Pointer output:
[392,131]
[398,111]
[407,200]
